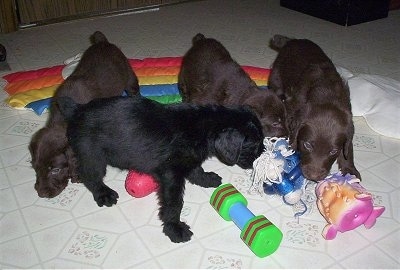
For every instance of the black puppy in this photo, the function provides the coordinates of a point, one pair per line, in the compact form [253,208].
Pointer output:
[168,142]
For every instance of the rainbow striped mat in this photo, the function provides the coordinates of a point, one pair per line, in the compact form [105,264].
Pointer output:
[158,79]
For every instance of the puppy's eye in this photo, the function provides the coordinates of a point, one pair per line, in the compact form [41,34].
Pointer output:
[308,146]
[54,170]
[277,123]
[333,152]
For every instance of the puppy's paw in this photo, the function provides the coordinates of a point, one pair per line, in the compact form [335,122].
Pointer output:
[204,179]
[352,171]
[177,232]
[75,179]
[211,179]
[106,196]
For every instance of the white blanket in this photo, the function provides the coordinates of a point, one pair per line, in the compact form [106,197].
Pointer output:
[377,99]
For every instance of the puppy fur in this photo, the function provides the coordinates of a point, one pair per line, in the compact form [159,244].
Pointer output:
[318,107]
[209,75]
[168,142]
[103,71]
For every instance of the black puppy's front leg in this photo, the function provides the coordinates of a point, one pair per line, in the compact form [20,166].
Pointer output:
[204,179]
[91,173]
[170,195]
[102,194]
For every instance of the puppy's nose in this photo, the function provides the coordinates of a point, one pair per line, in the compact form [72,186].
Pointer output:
[282,133]
[47,192]
[275,131]
[314,174]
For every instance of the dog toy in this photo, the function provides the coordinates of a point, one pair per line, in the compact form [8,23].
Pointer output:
[345,204]
[259,234]
[139,184]
[277,171]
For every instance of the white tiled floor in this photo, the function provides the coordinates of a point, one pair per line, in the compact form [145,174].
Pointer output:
[70,231]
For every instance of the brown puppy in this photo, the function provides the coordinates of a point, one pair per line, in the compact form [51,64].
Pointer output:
[209,75]
[318,107]
[103,71]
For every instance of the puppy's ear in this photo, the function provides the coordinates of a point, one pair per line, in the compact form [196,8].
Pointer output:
[228,145]
[296,123]
[67,106]
[295,127]
[348,145]
[45,140]
[293,138]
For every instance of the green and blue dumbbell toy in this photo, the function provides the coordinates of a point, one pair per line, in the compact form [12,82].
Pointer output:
[259,234]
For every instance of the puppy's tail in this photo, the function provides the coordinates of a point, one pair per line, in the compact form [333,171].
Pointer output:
[278,41]
[98,37]
[197,38]
[67,107]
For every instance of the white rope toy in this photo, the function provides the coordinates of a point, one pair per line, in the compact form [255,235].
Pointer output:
[268,167]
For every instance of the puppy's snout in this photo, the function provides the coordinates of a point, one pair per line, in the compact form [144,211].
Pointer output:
[314,173]
[246,165]
[46,190]
[276,129]
[275,132]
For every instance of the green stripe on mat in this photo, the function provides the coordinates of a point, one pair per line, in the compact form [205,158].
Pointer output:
[166,99]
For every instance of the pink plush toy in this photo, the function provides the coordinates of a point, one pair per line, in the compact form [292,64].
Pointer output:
[139,184]
[345,205]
